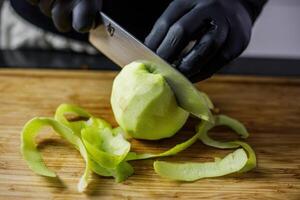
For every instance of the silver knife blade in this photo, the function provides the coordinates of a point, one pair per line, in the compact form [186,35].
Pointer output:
[123,48]
[119,45]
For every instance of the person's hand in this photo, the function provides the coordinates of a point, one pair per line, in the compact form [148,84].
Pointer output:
[221,29]
[67,14]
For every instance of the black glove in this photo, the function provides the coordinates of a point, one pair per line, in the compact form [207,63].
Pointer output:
[221,29]
[79,14]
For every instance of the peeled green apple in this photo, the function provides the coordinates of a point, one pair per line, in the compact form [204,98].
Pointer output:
[144,104]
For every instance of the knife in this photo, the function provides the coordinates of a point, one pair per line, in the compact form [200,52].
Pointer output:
[123,48]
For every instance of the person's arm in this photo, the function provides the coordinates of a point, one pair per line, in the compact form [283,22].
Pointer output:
[221,29]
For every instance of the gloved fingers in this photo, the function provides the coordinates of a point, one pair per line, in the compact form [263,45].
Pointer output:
[237,41]
[206,48]
[172,44]
[61,15]
[209,69]
[84,14]
[46,6]
[234,46]
[174,12]
[181,33]
[199,55]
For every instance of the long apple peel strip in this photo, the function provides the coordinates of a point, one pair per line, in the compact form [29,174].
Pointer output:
[33,156]
[241,160]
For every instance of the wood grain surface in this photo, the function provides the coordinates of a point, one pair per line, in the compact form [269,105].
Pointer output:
[269,107]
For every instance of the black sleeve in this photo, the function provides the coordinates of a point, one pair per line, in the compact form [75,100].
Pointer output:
[254,7]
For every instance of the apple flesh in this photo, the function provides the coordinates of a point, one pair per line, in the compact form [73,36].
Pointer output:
[144,104]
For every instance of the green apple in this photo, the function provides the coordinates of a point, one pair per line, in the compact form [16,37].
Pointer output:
[144,105]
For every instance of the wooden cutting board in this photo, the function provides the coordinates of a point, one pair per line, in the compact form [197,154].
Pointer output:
[269,107]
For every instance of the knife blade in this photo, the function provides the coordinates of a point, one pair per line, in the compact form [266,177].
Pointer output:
[119,45]
[123,48]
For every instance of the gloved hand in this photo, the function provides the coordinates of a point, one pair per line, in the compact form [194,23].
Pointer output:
[221,29]
[67,14]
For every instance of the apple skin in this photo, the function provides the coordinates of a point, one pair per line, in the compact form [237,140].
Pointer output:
[144,105]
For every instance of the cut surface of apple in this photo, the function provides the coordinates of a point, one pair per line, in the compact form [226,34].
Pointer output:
[144,104]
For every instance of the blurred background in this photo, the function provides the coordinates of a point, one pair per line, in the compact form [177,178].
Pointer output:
[274,48]
[276,33]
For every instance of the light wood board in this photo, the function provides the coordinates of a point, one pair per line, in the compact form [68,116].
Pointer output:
[269,107]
